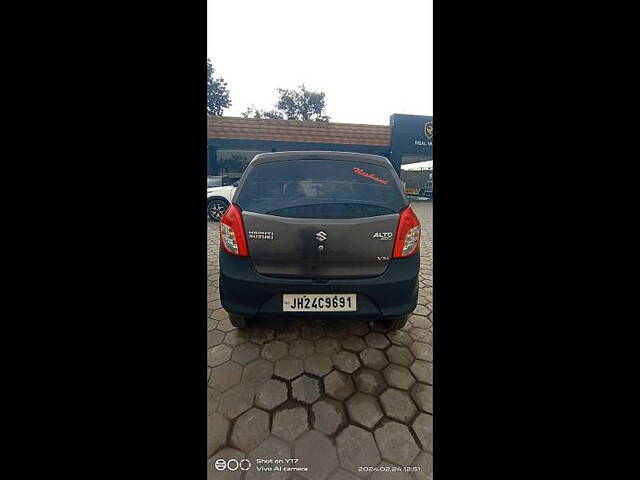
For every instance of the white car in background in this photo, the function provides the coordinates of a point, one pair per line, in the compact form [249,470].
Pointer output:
[218,200]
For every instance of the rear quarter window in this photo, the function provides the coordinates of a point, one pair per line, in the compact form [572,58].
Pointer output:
[321,189]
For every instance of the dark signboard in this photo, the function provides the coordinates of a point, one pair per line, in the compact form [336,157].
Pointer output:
[412,134]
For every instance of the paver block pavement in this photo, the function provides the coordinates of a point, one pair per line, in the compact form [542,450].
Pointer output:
[423,427]
[225,376]
[305,389]
[251,428]
[397,404]
[364,409]
[257,372]
[329,416]
[317,364]
[356,448]
[271,394]
[398,377]
[289,368]
[396,443]
[338,385]
[373,358]
[217,429]
[400,355]
[316,452]
[347,362]
[272,448]
[423,397]
[290,422]
[370,381]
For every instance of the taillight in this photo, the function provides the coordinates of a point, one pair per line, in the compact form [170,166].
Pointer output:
[408,236]
[232,237]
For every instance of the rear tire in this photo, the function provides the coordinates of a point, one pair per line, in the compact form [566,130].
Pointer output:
[396,323]
[216,208]
[238,321]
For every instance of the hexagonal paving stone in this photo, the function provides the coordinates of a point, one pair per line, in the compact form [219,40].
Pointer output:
[251,428]
[217,428]
[328,416]
[327,346]
[317,453]
[359,328]
[364,409]
[422,351]
[225,376]
[376,340]
[236,400]
[370,381]
[399,377]
[356,448]
[399,337]
[318,365]
[225,324]
[271,448]
[305,389]
[399,355]
[214,337]
[338,385]
[236,337]
[271,394]
[396,443]
[423,397]
[337,330]
[288,368]
[288,333]
[262,335]
[256,373]
[398,405]
[311,332]
[225,454]
[425,462]
[423,426]
[421,310]
[373,358]
[245,353]
[353,343]
[289,423]
[213,400]
[422,335]
[274,350]
[302,348]
[218,355]
[422,371]
[348,362]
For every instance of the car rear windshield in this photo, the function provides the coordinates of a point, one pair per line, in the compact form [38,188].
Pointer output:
[320,189]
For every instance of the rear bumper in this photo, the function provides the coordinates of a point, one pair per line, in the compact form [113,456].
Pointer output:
[244,291]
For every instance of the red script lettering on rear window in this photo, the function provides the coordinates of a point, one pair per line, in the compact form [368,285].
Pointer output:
[359,171]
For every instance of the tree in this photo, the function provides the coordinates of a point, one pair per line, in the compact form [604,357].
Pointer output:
[300,104]
[217,92]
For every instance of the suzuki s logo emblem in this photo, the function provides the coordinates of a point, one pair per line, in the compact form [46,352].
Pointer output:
[321,236]
[428,130]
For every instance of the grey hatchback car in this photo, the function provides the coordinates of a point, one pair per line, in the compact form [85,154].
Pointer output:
[312,234]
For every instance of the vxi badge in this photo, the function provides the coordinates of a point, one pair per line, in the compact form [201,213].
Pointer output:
[383,235]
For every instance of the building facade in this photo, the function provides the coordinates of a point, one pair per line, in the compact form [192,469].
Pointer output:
[233,141]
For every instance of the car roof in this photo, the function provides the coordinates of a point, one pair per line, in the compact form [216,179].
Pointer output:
[322,155]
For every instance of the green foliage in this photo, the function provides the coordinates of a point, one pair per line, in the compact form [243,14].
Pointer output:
[217,92]
[300,104]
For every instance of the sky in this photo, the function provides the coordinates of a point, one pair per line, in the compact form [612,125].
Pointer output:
[372,58]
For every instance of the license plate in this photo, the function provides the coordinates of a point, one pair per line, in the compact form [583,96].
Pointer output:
[312,302]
